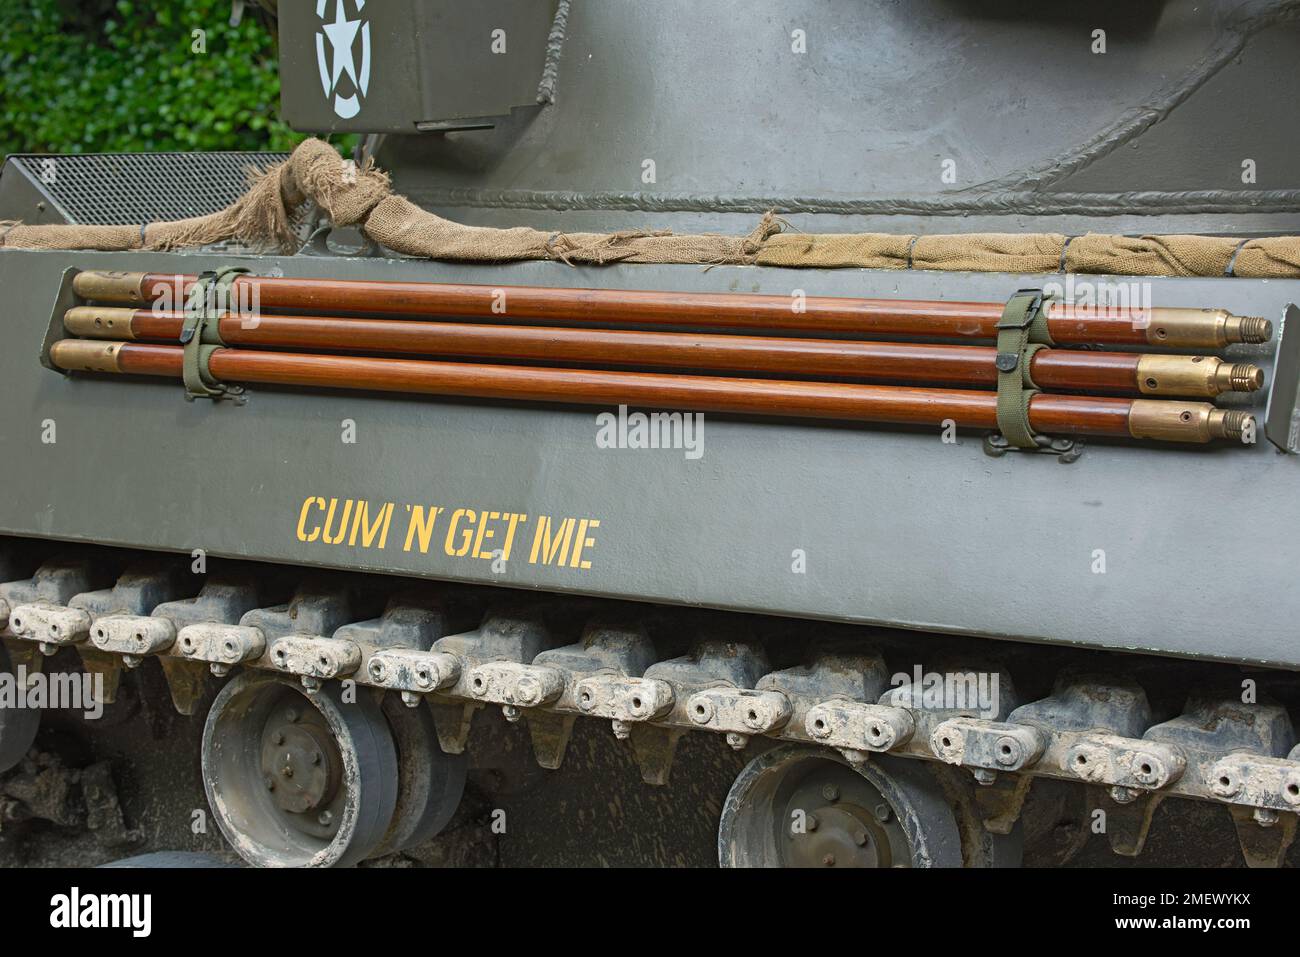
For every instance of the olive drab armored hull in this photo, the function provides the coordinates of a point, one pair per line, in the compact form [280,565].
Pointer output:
[673,482]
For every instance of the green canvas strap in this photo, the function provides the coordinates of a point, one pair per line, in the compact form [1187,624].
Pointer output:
[201,333]
[1022,331]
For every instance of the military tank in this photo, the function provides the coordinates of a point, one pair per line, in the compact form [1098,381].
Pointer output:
[779,435]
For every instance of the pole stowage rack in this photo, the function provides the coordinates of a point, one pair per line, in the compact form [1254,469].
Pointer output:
[1023,391]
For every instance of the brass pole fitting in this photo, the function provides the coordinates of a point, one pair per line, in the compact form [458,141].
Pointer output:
[1167,421]
[78,355]
[1204,328]
[113,286]
[1202,376]
[99,322]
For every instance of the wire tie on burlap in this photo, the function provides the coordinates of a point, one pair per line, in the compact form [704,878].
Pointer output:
[1228,270]
[1065,247]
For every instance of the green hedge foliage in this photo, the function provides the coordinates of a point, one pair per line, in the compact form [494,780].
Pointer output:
[82,76]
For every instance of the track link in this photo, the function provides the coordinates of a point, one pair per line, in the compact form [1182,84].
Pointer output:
[551,661]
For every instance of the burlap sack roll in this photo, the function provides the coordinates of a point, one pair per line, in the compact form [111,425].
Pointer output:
[346,192]
[990,252]
[402,226]
[263,218]
[107,238]
[1275,257]
[1150,255]
[835,250]
[266,215]
[643,246]
[259,219]
[663,246]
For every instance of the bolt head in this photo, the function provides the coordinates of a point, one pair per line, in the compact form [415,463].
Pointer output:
[818,727]
[1266,816]
[1225,784]
[1291,789]
[1123,795]
[701,710]
[528,690]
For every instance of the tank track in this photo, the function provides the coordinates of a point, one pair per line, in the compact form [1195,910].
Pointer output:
[1136,729]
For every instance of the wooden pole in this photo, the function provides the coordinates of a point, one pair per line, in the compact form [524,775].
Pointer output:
[1175,328]
[1050,414]
[1062,370]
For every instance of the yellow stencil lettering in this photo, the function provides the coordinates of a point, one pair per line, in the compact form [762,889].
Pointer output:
[549,546]
[484,533]
[311,502]
[421,525]
[515,518]
[343,522]
[370,531]
[583,542]
[467,534]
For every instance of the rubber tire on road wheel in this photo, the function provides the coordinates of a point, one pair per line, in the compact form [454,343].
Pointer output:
[233,779]
[753,813]
[18,726]
[430,781]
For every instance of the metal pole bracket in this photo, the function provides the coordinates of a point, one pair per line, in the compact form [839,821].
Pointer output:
[201,336]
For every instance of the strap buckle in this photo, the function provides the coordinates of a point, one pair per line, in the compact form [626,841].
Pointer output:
[1015,319]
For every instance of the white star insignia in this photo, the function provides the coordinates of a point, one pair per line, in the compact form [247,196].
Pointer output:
[341,33]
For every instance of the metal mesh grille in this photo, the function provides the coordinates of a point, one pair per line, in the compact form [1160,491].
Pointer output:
[127,188]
